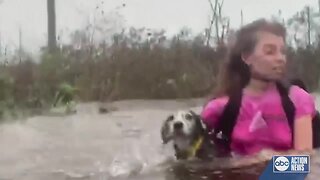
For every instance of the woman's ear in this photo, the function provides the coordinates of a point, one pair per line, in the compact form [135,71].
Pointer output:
[246,58]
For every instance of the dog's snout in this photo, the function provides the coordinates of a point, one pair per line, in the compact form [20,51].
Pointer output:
[177,125]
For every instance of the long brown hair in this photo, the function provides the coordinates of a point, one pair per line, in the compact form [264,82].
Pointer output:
[235,74]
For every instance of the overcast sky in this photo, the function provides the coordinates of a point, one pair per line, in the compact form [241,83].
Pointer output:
[171,15]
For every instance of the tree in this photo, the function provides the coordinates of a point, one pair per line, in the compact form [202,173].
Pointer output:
[305,27]
[220,22]
[51,25]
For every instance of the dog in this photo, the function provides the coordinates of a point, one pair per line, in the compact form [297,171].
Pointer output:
[189,136]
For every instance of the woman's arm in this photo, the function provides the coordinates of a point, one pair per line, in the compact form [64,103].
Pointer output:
[303,133]
[305,110]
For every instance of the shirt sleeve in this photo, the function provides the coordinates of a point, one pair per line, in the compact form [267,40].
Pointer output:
[303,101]
[212,111]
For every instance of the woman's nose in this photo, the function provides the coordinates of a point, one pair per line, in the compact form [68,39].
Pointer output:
[281,58]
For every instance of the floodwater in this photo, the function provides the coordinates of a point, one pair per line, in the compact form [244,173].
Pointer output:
[123,144]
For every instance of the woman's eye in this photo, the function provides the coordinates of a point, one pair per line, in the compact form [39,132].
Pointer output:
[269,51]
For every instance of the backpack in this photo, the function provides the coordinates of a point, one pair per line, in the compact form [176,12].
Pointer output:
[229,115]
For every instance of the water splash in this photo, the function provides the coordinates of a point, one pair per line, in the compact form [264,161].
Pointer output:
[123,144]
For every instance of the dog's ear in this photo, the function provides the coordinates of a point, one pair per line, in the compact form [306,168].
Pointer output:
[165,134]
[194,114]
[199,121]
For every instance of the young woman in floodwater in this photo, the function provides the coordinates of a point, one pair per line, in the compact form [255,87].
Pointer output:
[256,61]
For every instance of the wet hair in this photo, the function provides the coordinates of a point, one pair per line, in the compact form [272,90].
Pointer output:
[235,74]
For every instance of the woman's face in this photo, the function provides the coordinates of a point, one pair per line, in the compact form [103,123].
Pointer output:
[268,59]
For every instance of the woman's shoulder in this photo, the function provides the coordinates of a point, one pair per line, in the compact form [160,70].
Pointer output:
[217,102]
[303,100]
[213,109]
[297,93]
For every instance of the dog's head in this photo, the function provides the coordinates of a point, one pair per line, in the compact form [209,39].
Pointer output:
[183,124]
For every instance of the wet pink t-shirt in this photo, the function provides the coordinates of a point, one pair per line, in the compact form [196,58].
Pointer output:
[262,122]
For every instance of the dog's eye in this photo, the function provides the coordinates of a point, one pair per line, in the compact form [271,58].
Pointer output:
[170,118]
[188,117]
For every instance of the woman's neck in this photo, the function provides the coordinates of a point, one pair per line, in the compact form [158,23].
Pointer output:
[257,87]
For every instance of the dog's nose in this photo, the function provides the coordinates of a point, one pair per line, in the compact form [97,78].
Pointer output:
[177,125]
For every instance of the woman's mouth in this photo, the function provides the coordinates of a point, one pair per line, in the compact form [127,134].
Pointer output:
[279,70]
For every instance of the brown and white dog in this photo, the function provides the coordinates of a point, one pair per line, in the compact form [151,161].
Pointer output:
[189,136]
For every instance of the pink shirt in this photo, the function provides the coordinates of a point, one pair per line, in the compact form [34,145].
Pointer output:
[262,121]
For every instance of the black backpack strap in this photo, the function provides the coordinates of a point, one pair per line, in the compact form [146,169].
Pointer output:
[287,105]
[227,120]
[316,130]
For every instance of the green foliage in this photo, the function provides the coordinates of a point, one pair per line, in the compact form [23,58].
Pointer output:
[134,67]
[65,94]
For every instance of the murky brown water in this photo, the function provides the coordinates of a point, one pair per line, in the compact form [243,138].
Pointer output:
[124,144]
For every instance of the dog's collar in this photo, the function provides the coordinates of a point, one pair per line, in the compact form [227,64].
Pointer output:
[195,147]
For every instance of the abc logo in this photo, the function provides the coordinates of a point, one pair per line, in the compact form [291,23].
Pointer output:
[281,163]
